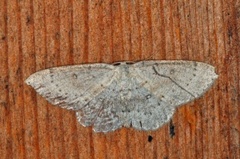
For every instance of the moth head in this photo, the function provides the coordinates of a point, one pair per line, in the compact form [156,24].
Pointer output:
[123,63]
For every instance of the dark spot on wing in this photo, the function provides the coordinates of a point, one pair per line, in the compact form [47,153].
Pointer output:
[130,62]
[74,76]
[172,71]
[148,96]
[140,123]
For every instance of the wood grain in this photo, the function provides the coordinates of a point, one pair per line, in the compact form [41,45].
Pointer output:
[38,34]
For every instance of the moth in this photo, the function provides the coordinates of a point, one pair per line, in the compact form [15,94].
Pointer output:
[142,95]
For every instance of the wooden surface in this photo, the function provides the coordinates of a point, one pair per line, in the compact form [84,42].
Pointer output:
[38,34]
